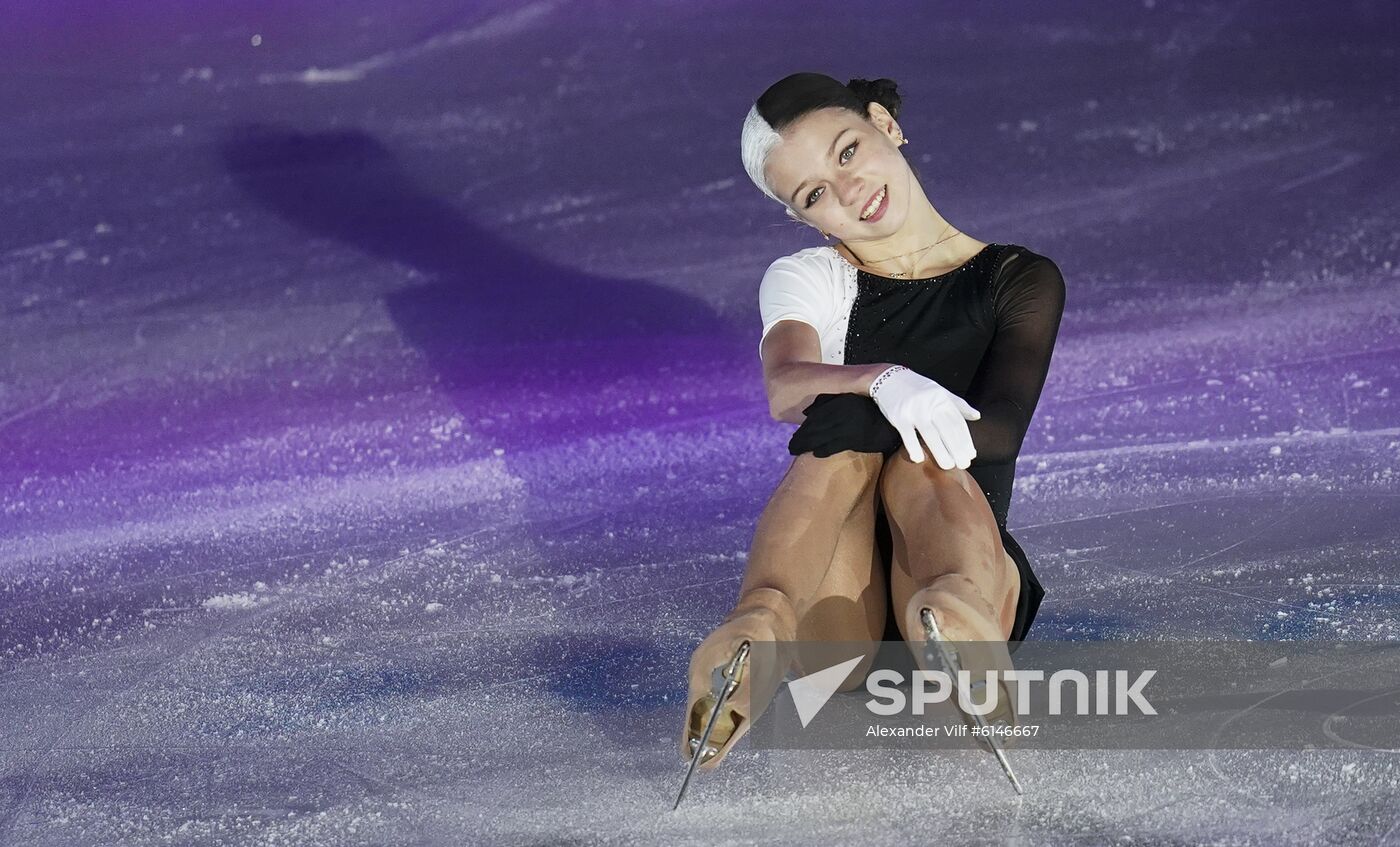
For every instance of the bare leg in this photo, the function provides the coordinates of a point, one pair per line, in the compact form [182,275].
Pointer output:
[812,573]
[948,557]
[848,607]
[947,548]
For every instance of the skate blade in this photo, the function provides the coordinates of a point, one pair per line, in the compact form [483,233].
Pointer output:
[726,683]
[947,656]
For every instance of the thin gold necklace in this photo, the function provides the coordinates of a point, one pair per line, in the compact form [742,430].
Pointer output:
[902,255]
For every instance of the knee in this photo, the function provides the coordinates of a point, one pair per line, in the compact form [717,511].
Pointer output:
[906,484]
[847,470]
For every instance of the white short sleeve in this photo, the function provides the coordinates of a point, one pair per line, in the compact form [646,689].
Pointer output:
[799,288]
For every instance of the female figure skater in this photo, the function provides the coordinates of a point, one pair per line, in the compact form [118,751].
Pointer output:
[903,340]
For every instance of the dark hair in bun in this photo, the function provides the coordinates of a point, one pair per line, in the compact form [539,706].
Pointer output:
[794,96]
[882,91]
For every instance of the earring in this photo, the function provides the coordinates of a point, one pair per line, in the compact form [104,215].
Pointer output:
[825,234]
[903,141]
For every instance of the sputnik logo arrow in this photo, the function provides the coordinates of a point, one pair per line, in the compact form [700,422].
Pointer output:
[810,693]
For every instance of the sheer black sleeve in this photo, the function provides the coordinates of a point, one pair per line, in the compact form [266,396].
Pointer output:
[1028,299]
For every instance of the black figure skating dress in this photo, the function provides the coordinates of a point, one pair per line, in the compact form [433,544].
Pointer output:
[985,331]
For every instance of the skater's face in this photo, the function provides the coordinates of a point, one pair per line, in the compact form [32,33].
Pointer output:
[832,163]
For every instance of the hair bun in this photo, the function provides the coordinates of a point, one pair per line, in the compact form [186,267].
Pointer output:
[882,91]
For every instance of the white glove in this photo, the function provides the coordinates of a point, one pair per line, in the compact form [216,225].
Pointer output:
[917,406]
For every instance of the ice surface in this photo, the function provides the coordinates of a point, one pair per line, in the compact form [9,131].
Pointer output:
[380,426]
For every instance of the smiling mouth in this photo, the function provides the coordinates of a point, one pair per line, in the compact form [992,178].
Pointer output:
[875,203]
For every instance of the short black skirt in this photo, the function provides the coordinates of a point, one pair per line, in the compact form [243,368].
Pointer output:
[1027,604]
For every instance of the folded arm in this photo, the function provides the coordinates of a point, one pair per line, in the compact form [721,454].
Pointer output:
[794,374]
